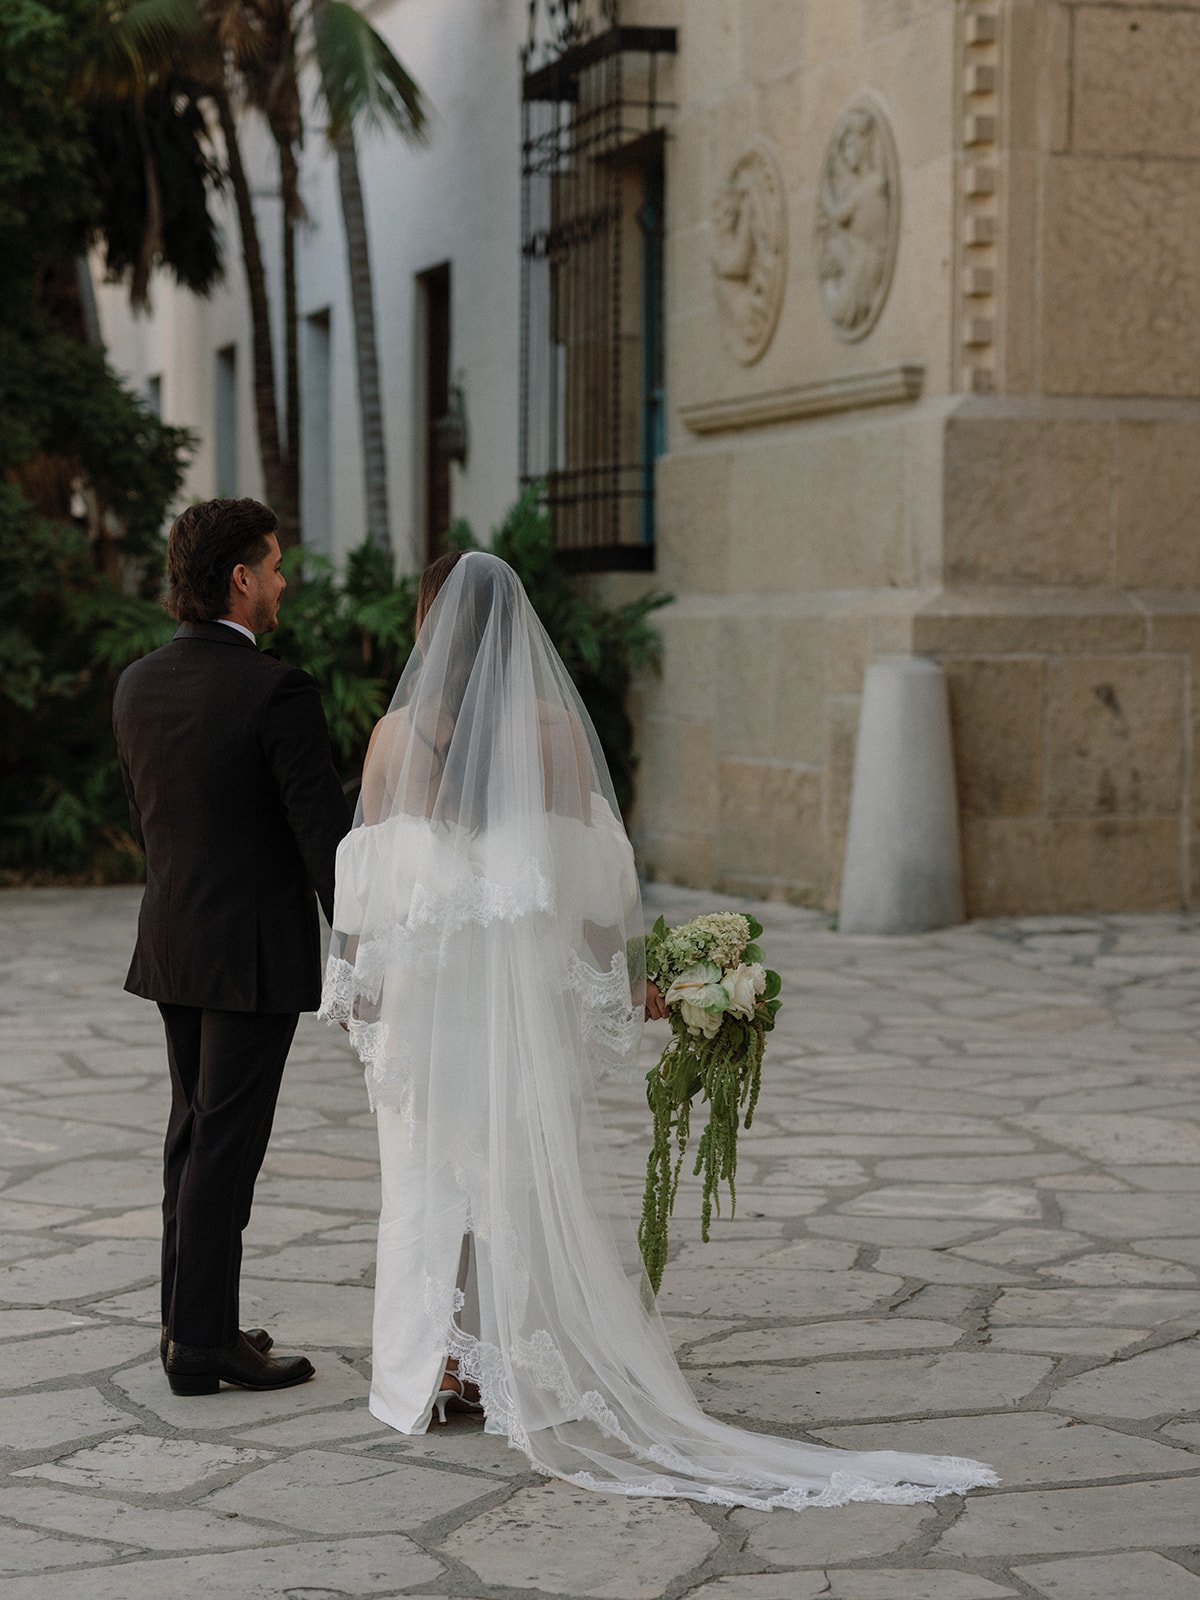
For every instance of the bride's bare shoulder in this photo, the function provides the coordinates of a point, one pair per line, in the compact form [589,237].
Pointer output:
[395,724]
[559,727]
[385,753]
[558,720]
[389,735]
[566,761]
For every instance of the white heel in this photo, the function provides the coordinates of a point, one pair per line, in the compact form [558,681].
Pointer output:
[441,1400]
[444,1395]
[456,1392]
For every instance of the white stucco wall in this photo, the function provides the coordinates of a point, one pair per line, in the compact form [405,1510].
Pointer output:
[455,199]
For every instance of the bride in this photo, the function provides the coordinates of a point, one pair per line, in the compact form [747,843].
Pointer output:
[487,962]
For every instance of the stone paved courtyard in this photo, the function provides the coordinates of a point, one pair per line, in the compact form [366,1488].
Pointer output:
[969,1222]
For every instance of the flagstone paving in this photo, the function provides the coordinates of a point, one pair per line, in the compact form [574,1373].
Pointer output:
[968,1222]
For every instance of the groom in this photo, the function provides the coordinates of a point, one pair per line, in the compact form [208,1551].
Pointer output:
[234,799]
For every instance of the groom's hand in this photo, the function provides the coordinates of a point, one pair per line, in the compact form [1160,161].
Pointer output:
[656,1006]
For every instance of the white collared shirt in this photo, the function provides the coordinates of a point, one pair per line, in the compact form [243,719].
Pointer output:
[226,622]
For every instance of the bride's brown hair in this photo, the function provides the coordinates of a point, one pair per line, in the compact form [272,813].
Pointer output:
[432,579]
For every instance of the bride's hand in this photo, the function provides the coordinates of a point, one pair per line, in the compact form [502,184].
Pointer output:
[656,1006]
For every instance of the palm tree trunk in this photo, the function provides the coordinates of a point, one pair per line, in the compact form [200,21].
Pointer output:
[266,407]
[85,324]
[47,480]
[290,186]
[366,352]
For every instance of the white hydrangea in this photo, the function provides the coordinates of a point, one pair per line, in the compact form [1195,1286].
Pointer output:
[720,937]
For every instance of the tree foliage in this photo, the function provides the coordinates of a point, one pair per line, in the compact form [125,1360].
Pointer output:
[154,173]
[86,473]
[353,634]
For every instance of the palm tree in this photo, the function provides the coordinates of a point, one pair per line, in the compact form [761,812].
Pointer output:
[277,481]
[363,83]
[151,163]
[150,167]
[269,43]
[171,51]
[253,52]
[254,44]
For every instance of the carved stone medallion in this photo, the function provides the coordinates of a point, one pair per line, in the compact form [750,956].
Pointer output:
[749,254]
[858,218]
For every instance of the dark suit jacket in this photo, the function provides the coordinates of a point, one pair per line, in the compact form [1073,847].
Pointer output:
[234,799]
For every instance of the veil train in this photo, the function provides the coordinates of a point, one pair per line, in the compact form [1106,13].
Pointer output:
[488,962]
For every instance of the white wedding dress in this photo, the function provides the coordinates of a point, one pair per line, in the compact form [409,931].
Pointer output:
[486,962]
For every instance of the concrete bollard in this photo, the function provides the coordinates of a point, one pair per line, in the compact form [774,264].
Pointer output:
[903,866]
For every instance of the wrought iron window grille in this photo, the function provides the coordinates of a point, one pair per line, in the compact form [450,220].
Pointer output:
[592,417]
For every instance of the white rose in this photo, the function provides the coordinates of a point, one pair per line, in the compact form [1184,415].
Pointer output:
[759,973]
[739,985]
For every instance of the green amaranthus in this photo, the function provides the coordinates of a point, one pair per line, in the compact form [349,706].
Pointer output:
[719,1059]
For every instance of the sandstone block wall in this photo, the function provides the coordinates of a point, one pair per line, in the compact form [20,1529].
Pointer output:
[1002,471]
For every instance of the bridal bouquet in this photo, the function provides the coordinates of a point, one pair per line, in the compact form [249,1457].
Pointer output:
[721,1004]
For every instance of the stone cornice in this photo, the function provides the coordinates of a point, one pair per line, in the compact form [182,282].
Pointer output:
[883,387]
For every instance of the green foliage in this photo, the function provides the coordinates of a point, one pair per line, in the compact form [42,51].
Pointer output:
[601,646]
[70,434]
[59,399]
[45,206]
[163,135]
[360,80]
[69,633]
[65,633]
[726,1072]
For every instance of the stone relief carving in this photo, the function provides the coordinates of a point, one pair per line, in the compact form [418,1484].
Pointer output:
[858,218]
[749,254]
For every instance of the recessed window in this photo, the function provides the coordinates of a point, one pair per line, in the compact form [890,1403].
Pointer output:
[433,312]
[316,421]
[225,423]
[592,370]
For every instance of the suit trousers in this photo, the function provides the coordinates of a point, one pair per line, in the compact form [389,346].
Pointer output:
[226,1068]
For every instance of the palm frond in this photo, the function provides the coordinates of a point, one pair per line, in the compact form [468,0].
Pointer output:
[246,30]
[124,628]
[386,618]
[362,82]
[145,41]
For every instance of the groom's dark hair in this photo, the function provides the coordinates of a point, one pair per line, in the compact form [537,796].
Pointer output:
[206,542]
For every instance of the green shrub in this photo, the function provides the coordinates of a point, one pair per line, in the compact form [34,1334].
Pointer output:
[353,635]
[68,632]
[65,633]
[72,436]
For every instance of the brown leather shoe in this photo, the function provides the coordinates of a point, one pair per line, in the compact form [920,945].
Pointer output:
[258,1337]
[194,1370]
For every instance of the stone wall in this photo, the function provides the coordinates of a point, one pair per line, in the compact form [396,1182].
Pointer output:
[1070,614]
[987,454]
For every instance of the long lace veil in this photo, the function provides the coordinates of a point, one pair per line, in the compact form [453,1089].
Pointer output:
[487,960]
